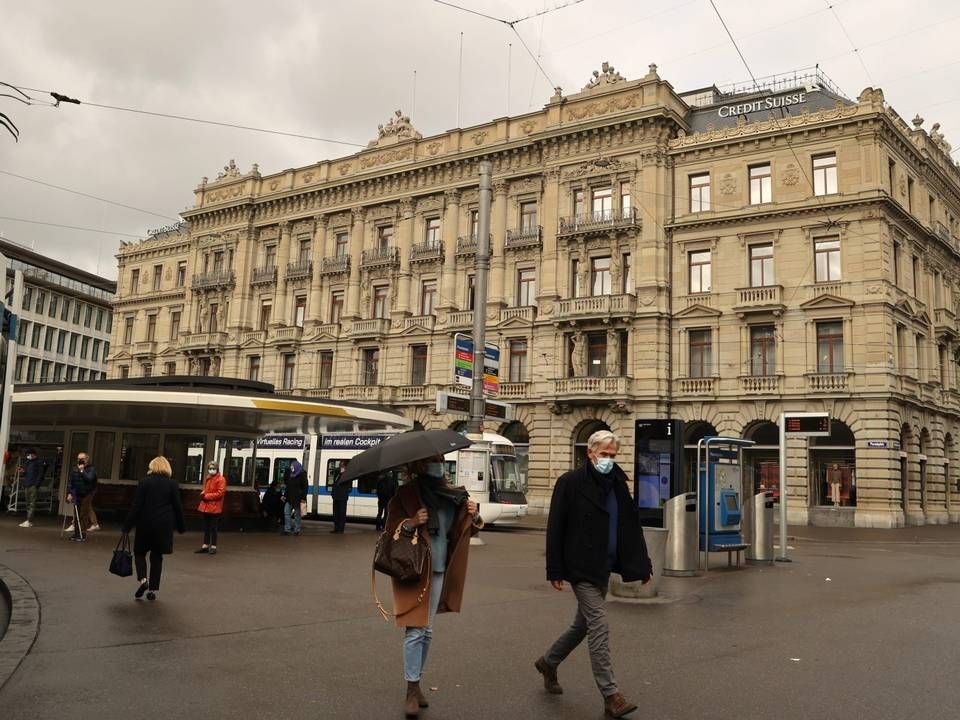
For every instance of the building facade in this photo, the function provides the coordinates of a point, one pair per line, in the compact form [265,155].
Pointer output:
[64,322]
[716,257]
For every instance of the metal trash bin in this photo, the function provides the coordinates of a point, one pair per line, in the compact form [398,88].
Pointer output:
[682,556]
[758,528]
[656,541]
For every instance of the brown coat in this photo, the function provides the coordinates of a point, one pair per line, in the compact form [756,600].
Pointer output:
[410,613]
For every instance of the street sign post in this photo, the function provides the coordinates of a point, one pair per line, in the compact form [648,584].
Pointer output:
[463,364]
[795,424]
[460,405]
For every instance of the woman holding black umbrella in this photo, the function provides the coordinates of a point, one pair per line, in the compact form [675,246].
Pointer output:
[446,518]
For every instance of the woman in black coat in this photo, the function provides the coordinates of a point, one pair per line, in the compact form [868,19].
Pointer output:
[156,511]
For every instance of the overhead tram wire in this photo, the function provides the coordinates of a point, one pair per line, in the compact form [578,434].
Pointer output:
[853,45]
[71,227]
[186,118]
[87,195]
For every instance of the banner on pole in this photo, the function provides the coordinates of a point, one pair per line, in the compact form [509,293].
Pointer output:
[463,365]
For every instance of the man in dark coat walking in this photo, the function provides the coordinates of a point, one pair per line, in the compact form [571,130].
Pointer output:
[294,494]
[341,493]
[593,530]
[32,477]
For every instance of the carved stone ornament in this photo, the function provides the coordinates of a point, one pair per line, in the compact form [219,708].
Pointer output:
[902,185]
[619,407]
[545,308]
[559,408]
[604,77]
[937,137]
[343,168]
[308,176]
[230,170]
[434,147]
[791,175]
[384,158]
[528,126]
[728,184]
[600,166]
[603,107]
[397,129]
[479,136]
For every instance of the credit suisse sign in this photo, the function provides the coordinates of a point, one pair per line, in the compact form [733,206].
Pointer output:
[767,103]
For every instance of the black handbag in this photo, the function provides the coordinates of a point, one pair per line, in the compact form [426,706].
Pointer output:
[122,561]
[402,557]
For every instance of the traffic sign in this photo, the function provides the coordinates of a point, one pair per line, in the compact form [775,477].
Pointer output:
[463,365]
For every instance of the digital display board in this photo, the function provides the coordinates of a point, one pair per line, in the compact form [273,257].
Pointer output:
[817,425]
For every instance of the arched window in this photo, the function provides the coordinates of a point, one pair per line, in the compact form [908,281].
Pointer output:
[905,440]
[692,432]
[580,437]
[417,425]
[924,447]
[459,426]
[833,467]
[762,461]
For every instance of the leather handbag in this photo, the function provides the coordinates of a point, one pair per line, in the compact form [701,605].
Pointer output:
[403,558]
[122,561]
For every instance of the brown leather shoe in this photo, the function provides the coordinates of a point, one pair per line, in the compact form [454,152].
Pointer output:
[411,707]
[421,699]
[617,706]
[550,683]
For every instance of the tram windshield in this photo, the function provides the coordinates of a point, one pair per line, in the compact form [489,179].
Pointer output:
[506,474]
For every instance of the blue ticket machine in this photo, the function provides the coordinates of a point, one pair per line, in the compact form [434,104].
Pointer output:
[720,500]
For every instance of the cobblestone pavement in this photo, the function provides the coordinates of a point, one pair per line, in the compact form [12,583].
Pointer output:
[861,625]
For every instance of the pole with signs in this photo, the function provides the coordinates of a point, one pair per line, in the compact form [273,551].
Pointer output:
[480,298]
[8,371]
[795,425]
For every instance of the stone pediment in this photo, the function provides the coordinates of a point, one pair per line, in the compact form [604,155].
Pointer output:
[698,310]
[906,307]
[121,355]
[167,352]
[922,318]
[515,322]
[416,329]
[827,301]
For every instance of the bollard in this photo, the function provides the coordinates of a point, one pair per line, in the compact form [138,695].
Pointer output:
[656,539]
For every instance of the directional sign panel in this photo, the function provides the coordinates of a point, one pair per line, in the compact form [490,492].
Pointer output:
[463,365]
[807,424]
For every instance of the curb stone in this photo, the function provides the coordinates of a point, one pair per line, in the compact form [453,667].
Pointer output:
[24,622]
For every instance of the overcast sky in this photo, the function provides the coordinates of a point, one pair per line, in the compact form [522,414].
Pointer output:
[336,69]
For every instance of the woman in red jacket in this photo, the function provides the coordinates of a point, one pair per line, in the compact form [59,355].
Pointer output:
[211,507]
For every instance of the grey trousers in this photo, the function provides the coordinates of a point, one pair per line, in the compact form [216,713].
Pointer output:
[590,622]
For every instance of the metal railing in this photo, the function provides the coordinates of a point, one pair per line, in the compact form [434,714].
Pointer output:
[599,220]
[263,275]
[467,245]
[426,251]
[523,237]
[380,256]
[300,269]
[213,279]
[335,264]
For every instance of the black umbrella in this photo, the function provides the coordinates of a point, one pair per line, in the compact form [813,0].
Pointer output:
[402,449]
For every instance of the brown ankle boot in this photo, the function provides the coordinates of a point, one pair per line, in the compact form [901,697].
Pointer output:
[411,705]
[617,706]
[421,698]
[550,683]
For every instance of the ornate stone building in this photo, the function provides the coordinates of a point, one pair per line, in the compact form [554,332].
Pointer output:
[716,257]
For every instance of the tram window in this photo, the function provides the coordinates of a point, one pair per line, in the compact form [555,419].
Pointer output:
[102,457]
[136,452]
[185,453]
[333,471]
[234,471]
[261,472]
[280,467]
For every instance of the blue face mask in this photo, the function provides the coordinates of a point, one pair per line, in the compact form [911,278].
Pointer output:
[603,465]
[435,469]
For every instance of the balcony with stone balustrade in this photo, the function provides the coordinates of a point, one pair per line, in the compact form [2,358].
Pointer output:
[467,245]
[285,335]
[945,321]
[373,328]
[319,393]
[253,336]
[761,384]
[838,382]
[527,313]
[426,322]
[515,391]
[593,388]
[460,320]
[203,341]
[145,348]
[381,394]
[524,237]
[597,307]
[263,276]
[336,265]
[766,299]
[593,223]
[696,387]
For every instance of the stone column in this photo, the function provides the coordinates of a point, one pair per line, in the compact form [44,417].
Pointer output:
[451,227]
[498,229]
[405,237]
[319,251]
[244,260]
[281,303]
[357,241]
[550,220]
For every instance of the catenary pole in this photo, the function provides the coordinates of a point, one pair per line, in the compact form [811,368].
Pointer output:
[480,297]
[11,362]
[783,491]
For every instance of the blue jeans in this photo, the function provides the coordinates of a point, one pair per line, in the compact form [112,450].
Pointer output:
[416,640]
[291,518]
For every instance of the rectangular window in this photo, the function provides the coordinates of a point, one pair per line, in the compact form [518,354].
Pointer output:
[32,369]
[84,348]
[891,176]
[518,361]
[384,237]
[181,273]
[45,371]
[147,371]
[575,277]
[213,318]
[175,325]
[700,192]
[526,287]
[825,174]
[170,368]
[418,364]
[931,208]
[95,351]
[35,336]
[336,306]
[65,309]
[134,281]
[299,310]
[826,253]
[597,355]
[528,217]
[701,346]
[910,194]
[101,315]
[57,372]
[761,265]
[341,244]
[600,276]
[74,339]
[124,371]
[41,302]
[428,296]
[369,373]
[27,297]
[304,256]
[61,341]
[54,300]
[266,309]
[218,262]
[471,291]
[380,301]
[626,201]
[829,347]
[289,369]
[763,350]
[77,309]
[157,277]
[151,328]
[602,203]
[270,256]
[23,330]
[18,371]
[106,351]
[627,275]
[761,184]
[699,264]
[48,339]
[88,316]
[326,369]
[896,264]
[253,368]
[474,224]
[578,203]
[432,232]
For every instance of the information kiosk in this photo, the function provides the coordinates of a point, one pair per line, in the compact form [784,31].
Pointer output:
[657,466]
